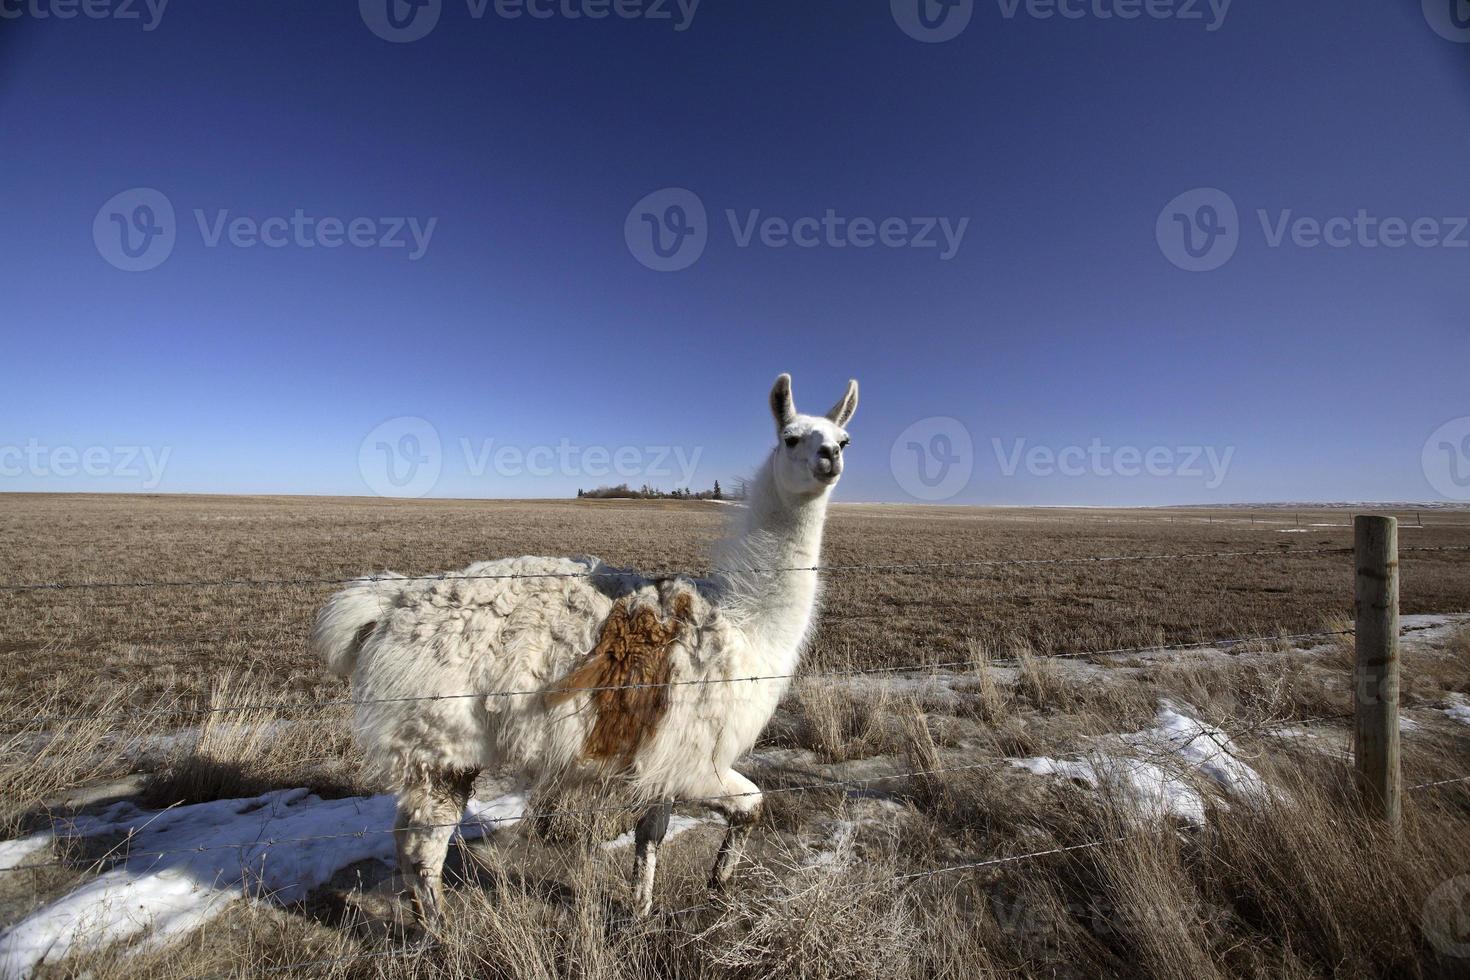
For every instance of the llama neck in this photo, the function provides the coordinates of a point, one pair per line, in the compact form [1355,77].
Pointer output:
[774,608]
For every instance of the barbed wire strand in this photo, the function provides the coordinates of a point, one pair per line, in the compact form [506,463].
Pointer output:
[608,572]
[1224,744]
[266,843]
[310,706]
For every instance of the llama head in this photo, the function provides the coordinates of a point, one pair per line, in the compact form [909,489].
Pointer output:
[807,461]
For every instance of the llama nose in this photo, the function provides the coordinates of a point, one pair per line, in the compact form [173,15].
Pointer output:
[827,452]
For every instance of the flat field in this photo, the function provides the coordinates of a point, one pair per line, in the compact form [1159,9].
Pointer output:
[1177,808]
[176,639]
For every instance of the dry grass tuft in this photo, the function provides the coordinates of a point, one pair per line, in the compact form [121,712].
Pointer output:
[41,763]
[841,722]
[985,700]
[242,749]
[823,923]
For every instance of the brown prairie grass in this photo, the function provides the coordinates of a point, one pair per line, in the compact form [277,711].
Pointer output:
[1302,884]
[175,641]
[1305,885]
[243,747]
[841,723]
[41,761]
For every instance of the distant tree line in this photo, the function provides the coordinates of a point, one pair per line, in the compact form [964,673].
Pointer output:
[624,492]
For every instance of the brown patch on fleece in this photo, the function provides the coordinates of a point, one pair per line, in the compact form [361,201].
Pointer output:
[632,649]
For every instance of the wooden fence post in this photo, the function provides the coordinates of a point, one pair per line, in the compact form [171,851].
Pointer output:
[1376,681]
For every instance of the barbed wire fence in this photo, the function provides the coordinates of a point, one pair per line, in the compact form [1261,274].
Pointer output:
[256,849]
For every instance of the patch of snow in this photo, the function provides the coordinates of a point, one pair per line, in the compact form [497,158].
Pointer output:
[1430,629]
[1201,747]
[837,852]
[1407,724]
[167,895]
[1459,710]
[678,823]
[15,852]
[1180,747]
[1153,792]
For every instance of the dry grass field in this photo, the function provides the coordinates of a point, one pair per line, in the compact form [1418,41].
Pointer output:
[1249,859]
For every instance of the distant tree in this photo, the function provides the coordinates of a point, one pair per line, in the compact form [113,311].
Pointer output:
[648,492]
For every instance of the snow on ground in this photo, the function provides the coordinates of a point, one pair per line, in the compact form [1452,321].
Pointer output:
[14,852]
[166,895]
[1154,792]
[1166,784]
[1432,628]
[678,823]
[837,848]
[1459,709]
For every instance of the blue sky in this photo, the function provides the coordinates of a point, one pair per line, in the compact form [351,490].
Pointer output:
[1051,328]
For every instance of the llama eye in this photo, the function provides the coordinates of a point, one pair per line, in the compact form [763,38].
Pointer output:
[844,444]
[791,442]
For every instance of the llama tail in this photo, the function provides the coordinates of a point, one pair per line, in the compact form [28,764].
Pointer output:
[344,624]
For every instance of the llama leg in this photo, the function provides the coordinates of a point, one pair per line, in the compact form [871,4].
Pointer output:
[428,813]
[741,808]
[647,837]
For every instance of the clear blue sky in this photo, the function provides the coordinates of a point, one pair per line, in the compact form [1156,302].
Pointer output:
[528,319]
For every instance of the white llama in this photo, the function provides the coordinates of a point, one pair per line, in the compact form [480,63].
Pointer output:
[558,626]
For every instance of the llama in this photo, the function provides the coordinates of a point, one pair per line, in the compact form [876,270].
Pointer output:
[656,653]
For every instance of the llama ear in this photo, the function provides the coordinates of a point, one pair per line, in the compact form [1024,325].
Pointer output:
[842,412]
[782,406]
